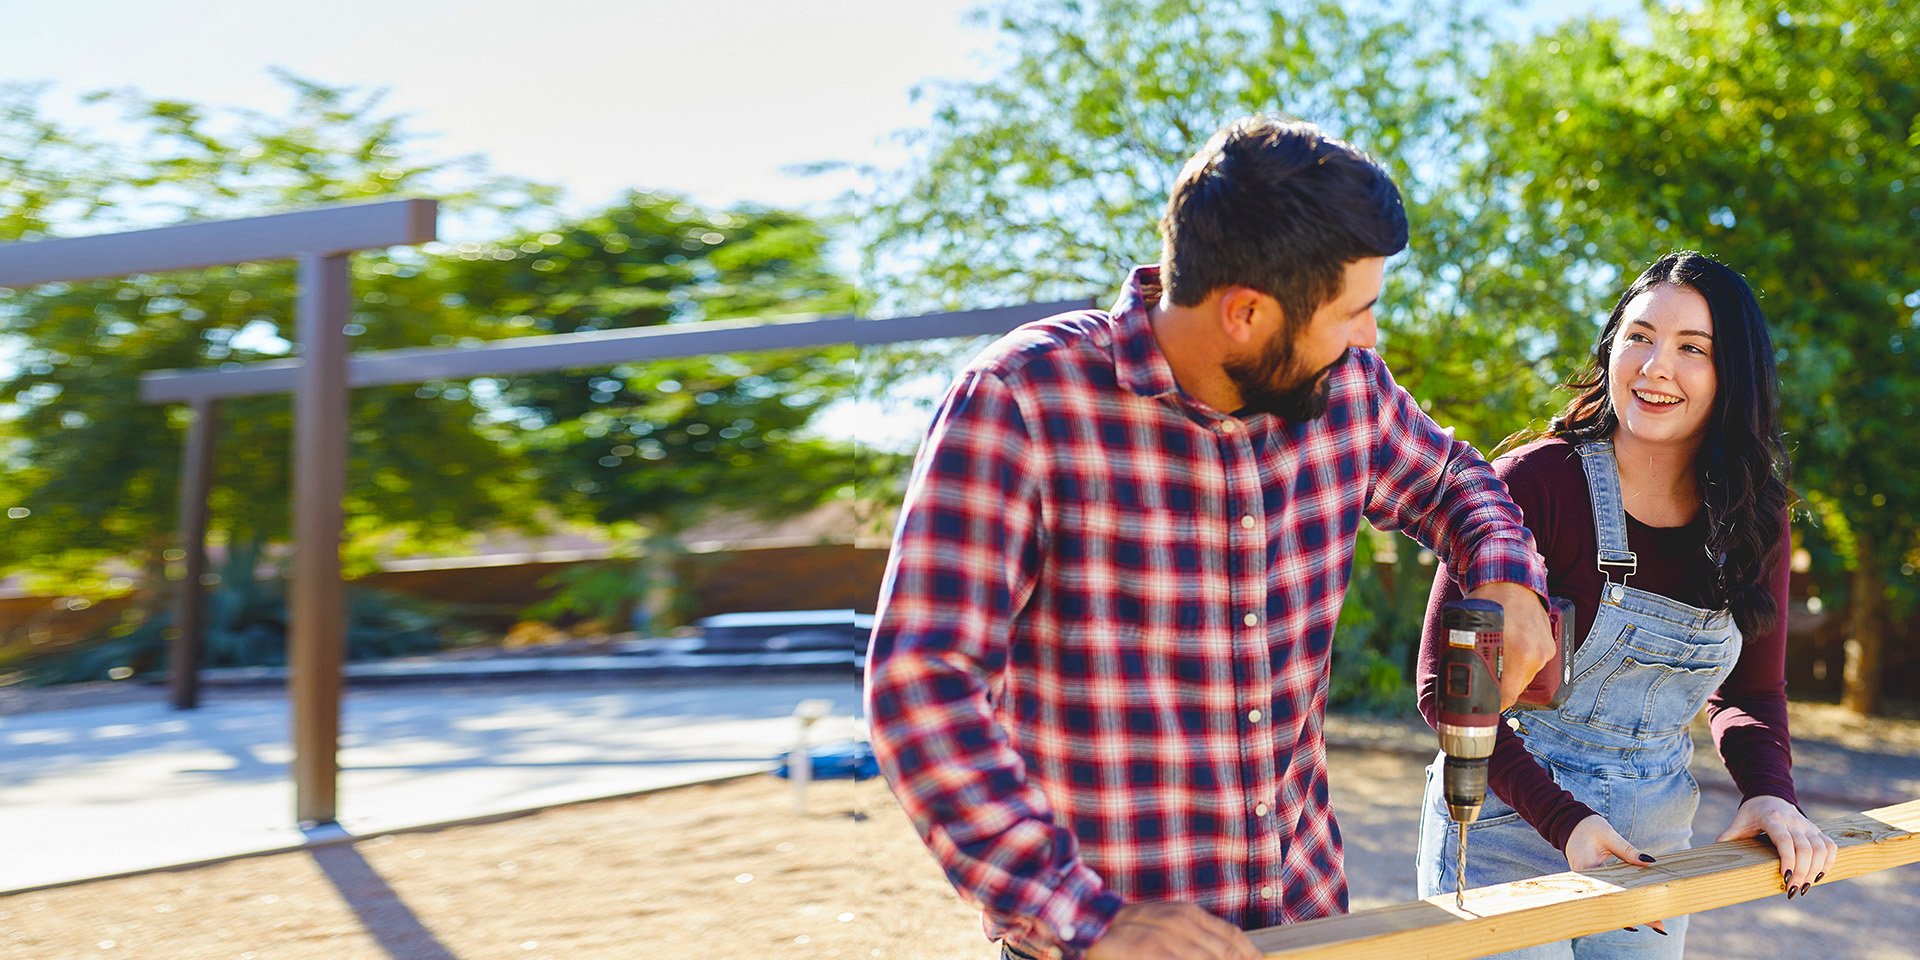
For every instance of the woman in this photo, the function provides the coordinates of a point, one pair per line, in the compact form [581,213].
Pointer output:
[1667,467]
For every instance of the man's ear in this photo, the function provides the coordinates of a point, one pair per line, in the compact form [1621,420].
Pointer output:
[1245,314]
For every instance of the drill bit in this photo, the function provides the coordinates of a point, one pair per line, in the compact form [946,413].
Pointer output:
[1460,873]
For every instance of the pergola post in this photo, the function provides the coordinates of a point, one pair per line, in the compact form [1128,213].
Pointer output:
[189,644]
[317,636]
[321,240]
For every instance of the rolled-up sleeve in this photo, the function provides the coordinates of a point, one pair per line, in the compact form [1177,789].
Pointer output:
[1443,494]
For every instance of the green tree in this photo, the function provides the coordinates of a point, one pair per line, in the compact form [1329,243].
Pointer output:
[1783,138]
[662,444]
[47,175]
[1048,180]
[91,472]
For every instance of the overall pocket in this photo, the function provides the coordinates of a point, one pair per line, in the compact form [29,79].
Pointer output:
[1658,683]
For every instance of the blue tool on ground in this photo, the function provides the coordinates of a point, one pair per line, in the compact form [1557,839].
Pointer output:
[850,760]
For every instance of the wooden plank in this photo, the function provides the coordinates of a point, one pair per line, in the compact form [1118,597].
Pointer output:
[597,349]
[1563,905]
[324,231]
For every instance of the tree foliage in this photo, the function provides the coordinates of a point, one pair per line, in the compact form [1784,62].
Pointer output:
[1783,138]
[664,441]
[1048,180]
[91,472]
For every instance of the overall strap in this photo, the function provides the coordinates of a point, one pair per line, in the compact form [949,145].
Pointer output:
[1609,515]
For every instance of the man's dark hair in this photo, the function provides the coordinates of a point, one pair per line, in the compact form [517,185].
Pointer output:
[1276,205]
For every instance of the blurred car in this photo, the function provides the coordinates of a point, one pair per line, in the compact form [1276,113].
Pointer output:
[784,630]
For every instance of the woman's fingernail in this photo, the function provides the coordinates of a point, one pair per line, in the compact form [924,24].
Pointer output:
[1822,876]
[1791,891]
[1634,929]
[1659,931]
[1804,888]
[1788,878]
[1645,858]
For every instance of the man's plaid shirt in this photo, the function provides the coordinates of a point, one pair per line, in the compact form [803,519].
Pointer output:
[1099,665]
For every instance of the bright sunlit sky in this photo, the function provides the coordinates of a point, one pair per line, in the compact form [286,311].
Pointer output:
[718,99]
[714,98]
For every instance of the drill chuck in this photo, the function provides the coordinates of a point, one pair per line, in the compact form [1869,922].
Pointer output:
[1464,786]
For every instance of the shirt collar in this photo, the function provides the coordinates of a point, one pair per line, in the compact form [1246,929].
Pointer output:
[1138,364]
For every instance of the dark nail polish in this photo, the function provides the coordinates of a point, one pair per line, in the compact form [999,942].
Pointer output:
[1822,876]
[1788,878]
[1645,858]
[1659,931]
[1634,929]
[1791,891]
[1804,888]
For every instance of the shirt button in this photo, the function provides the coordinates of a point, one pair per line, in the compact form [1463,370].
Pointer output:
[1253,716]
[1247,522]
[1067,932]
[1266,893]
[1259,809]
[1250,619]
[1227,426]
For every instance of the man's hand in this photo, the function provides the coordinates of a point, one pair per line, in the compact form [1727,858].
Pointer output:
[1806,852]
[1527,643]
[1171,931]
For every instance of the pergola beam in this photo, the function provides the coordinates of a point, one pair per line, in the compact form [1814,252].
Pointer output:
[193,246]
[595,349]
[1564,905]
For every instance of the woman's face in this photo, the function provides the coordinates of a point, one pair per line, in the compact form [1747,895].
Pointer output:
[1660,374]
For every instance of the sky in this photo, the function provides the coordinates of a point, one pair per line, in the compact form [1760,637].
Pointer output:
[714,98]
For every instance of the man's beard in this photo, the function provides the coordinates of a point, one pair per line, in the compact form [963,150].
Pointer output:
[1270,382]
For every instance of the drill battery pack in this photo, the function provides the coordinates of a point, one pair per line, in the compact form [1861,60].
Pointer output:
[1549,688]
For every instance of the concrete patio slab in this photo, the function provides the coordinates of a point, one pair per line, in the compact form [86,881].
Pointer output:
[102,791]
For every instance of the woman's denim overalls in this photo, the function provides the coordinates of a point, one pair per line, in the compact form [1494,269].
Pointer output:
[1619,743]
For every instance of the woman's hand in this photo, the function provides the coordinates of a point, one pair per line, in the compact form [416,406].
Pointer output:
[1594,841]
[1805,851]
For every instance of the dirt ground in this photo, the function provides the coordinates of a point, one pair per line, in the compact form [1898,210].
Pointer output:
[720,871]
[724,871]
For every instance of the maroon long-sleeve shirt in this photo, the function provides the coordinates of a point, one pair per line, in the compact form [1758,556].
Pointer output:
[1748,713]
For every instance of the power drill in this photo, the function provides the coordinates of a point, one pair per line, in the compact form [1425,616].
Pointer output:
[1470,668]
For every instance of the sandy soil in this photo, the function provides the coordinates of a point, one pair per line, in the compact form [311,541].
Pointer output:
[729,871]
[724,871]
[721,871]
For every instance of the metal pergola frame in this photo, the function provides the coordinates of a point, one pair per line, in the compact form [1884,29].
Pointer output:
[321,239]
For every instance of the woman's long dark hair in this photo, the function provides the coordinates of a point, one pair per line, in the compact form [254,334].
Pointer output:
[1742,466]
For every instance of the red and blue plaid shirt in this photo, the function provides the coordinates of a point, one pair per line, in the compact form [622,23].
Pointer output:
[1099,665]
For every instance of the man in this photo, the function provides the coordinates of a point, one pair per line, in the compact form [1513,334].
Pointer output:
[1099,664]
